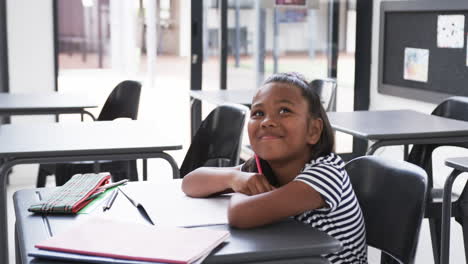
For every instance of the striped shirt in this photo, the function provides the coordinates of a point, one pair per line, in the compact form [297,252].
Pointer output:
[342,217]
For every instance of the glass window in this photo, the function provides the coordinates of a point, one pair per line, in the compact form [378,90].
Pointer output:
[291,38]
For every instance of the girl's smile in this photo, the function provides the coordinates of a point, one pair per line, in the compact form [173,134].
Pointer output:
[269,136]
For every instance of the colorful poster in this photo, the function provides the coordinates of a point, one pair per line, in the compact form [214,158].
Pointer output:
[450,31]
[416,64]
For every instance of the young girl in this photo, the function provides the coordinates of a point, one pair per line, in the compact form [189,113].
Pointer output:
[296,173]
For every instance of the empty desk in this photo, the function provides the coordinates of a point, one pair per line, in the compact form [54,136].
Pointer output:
[399,127]
[45,104]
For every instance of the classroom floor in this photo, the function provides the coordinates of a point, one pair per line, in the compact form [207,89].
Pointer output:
[167,102]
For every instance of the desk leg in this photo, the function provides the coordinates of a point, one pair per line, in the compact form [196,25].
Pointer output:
[373,148]
[5,167]
[405,152]
[84,112]
[145,170]
[446,214]
[378,144]
[172,162]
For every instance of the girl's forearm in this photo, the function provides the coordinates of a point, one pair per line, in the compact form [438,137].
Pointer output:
[204,181]
[250,211]
[289,200]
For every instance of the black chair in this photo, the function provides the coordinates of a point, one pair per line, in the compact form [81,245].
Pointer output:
[421,155]
[218,140]
[123,102]
[392,196]
[326,89]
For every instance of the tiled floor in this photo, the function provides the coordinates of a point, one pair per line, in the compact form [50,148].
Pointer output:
[167,102]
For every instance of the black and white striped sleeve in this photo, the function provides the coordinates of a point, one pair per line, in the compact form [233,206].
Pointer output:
[325,179]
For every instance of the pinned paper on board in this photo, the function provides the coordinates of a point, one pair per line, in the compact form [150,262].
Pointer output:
[450,31]
[416,64]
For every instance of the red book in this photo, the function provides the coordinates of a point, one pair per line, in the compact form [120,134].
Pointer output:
[131,241]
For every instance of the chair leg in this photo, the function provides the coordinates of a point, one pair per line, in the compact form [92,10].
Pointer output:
[462,216]
[17,248]
[41,179]
[62,174]
[386,259]
[464,223]
[435,229]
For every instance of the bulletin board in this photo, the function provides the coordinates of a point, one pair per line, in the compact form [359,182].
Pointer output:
[423,49]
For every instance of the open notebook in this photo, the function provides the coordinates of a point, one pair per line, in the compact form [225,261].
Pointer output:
[130,241]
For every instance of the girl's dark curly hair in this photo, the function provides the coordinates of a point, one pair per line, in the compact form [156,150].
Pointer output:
[326,143]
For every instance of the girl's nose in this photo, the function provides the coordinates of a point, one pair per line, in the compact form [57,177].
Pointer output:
[268,121]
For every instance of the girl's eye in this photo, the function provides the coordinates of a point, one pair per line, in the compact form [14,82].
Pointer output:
[284,110]
[257,113]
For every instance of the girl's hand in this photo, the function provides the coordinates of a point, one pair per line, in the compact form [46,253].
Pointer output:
[250,183]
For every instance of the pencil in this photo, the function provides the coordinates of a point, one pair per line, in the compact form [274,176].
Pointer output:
[139,207]
[110,201]
[259,166]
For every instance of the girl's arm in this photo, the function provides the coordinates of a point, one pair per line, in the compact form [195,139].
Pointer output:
[292,199]
[206,181]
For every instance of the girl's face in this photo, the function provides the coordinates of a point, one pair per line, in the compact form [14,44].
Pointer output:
[280,126]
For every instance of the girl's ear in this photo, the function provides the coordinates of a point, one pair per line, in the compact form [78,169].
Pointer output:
[315,130]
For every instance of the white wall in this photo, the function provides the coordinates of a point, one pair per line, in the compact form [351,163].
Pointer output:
[30,45]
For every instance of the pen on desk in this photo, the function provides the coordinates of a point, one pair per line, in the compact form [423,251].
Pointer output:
[111,185]
[102,189]
[110,201]
[139,206]
[259,166]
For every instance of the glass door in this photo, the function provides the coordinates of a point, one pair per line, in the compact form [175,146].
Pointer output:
[314,38]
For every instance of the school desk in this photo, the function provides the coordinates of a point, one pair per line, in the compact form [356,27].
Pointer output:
[399,127]
[285,242]
[45,104]
[70,141]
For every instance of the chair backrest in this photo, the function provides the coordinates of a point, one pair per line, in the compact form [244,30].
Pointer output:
[392,197]
[122,102]
[217,141]
[455,108]
[326,89]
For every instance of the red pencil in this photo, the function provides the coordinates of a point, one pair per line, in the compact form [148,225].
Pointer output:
[259,167]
